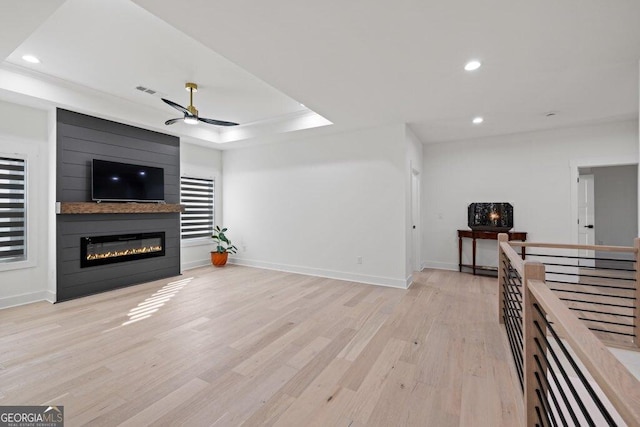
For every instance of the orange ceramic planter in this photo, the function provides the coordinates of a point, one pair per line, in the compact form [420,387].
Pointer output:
[219,259]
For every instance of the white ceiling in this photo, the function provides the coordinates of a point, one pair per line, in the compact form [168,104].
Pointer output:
[357,63]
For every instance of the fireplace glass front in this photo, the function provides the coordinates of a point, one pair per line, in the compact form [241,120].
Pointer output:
[101,250]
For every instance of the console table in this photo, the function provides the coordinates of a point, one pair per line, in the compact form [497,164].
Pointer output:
[485,235]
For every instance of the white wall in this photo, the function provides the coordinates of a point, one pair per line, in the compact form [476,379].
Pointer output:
[531,171]
[25,131]
[314,205]
[201,162]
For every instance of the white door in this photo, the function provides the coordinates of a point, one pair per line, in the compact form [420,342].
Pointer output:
[586,218]
[415,218]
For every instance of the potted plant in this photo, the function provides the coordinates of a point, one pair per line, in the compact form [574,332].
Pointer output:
[223,247]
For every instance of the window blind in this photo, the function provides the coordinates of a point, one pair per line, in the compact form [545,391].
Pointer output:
[196,194]
[12,210]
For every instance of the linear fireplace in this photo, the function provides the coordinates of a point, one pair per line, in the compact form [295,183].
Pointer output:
[100,250]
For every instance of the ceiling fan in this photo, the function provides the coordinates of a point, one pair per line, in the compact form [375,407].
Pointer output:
[191,113]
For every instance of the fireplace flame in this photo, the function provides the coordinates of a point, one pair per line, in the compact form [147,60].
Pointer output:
[114,254]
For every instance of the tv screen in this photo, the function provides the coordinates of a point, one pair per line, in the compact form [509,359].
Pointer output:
[113,181]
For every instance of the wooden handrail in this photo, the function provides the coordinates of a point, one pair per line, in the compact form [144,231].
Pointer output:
[513,256]
[627,249]
[620,386]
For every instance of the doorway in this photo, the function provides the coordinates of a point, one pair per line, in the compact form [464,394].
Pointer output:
[615,196]
[611,217]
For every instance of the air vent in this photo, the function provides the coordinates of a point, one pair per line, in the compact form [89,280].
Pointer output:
[146,90]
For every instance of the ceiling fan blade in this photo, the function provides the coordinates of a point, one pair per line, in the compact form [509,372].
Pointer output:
[217,122]
[172,121]
[176,106]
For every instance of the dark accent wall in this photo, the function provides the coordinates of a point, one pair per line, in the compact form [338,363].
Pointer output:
[81,138]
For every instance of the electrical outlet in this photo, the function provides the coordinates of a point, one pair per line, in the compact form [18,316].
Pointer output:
[359,260]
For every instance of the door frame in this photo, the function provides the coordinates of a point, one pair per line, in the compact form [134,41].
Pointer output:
[416,218]
[589,256]
[574,165]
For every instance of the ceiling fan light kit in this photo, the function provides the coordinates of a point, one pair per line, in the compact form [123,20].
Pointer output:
[191,113]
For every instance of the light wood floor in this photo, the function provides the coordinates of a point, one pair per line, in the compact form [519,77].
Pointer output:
[242,346]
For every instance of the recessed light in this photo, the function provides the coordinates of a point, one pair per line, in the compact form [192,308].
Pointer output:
[472,65]
[30,58]
[477,120]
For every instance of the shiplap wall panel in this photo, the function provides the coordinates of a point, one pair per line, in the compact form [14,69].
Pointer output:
[80,139]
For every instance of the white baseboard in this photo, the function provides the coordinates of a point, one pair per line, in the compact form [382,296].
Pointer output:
[440,265]
[195,264]
[409,281]
[15,300]
[50,296]
[340,275]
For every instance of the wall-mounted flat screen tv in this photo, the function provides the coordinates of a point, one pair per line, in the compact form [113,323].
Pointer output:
[123,182]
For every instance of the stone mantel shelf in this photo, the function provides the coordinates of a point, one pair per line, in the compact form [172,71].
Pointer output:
[83,208]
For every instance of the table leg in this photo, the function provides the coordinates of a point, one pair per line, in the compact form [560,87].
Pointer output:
[523,252]
[474,256]
[459,254]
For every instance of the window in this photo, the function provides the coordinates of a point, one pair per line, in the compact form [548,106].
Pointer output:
[12,210]
[196,195]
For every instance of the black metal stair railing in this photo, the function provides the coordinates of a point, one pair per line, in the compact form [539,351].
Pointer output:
[512,315]
[565,395]
[603,295]
[556,314]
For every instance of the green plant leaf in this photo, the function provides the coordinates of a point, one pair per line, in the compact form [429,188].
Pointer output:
[222,241]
